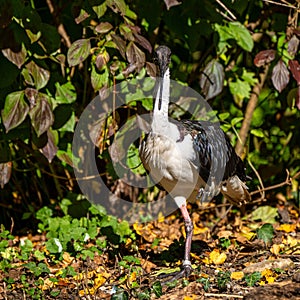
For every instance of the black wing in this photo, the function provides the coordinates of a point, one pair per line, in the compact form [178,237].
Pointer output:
[217,158]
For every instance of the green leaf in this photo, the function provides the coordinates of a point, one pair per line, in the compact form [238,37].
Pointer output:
[100,9]
[266,233]
[257,132]
[65,93]
[15,110]
[99,79]
[157,288]
[239,88]
[224,116]
[266,214]
[251,279]
[121,295]
[78,52]
[241,35]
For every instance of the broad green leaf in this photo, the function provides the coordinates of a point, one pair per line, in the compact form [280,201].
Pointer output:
[99,78]
[35,75]
[157,288]
[241,35]
[224,116]
[266,214]
[65,93]
[239,88]
[266,233]
[78,52]
[15,110]
[41,114]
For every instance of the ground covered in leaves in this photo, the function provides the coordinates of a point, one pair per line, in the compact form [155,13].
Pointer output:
[255,255]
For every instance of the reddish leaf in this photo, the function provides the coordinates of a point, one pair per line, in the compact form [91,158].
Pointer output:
[5,173]
[41,115]
[143,42]
[264,57]
[135,56]
[170,3]
[78,52]
[31,94]
[103,27]
[50,149]
[15,110]
[151,69]
[293,45]
[295,70]
[82,16]
[102,59]
[120,44]
[17,58]
[117,6]
[35,75]
[280,76]
[212,79]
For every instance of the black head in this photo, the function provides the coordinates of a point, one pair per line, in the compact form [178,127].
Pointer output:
[162,58]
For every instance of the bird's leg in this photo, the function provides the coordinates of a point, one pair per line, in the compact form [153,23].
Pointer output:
[186,264]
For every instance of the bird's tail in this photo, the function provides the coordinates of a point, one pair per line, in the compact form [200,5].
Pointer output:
[235,191]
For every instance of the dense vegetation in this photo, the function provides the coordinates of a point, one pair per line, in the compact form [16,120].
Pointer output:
[57,56]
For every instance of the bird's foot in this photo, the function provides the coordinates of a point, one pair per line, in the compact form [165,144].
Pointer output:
[185,271]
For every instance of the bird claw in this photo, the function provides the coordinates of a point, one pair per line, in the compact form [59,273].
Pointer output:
[185,271]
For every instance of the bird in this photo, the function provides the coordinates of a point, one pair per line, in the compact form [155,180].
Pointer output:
[190,159]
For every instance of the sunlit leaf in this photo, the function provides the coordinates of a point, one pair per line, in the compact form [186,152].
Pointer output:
[171,3]
[266,214]
[118,6]
[5,173]
[237,275]
[17,58]
[103,27]
[280,76]
[102,59]
[83,15]
[78,52]
[257,132]
[216,257]
[264,57]
[100,9]
[15,110]
[65,93]
[240,89]
[212,79]
[287,227]
[265,233]
[41,115]
[99,78]
[242,35]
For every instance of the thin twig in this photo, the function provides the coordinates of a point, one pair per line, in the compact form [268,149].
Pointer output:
[281,4]
[259,179]
[229,12]
[223,295]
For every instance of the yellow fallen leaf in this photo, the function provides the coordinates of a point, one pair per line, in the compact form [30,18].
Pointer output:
[161,217]
[216,257]
[287,227]
[199,230]
[269,275]
[193,297]
[132,277]
[99,280]
[237,275]
[275,249]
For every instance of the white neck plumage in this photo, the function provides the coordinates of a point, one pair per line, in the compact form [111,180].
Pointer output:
[160,122]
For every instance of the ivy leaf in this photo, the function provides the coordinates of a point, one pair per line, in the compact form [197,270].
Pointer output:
[265,233]
[280,76]
[78,52]
[157,288]
[212,79]
[5,173]
[242,35]
[35,75]
[264,57]
[295,70]
[17,58]
[15,110]
[41,115]
[266,214]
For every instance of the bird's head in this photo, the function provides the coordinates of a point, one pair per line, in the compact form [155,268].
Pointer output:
[162,58]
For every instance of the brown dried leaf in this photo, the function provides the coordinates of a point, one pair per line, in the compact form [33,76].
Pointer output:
[280,76]
[264,57]
[120,44]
